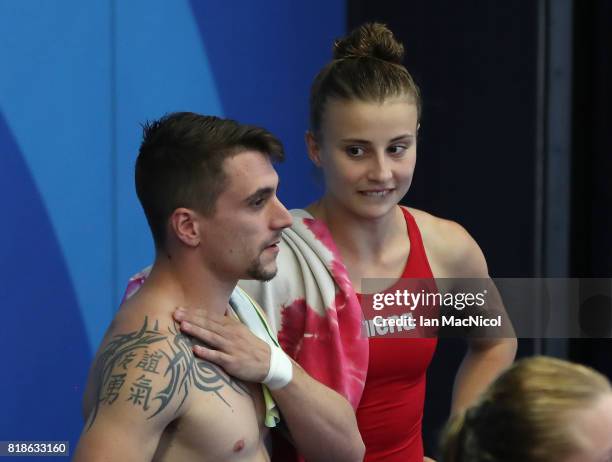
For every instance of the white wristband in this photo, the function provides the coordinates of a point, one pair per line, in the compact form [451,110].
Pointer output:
[281,369]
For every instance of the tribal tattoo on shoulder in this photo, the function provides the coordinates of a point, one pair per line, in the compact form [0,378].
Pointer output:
[141,350]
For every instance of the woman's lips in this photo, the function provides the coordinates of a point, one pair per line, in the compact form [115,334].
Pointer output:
[376,192]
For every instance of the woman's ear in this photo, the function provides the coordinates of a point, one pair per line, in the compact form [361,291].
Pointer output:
[314,152]
[186,227]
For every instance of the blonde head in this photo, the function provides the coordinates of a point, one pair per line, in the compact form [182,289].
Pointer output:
[526,415]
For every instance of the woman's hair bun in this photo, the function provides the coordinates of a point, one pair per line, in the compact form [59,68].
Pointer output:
[371,40]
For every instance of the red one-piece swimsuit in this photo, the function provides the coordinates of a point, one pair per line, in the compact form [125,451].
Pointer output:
[390,413]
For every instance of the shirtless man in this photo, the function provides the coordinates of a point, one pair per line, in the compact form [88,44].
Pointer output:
[208,189]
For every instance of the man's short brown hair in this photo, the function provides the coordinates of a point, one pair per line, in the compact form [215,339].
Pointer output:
[180,163]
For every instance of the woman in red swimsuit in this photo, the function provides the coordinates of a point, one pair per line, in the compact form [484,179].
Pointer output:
[364,121]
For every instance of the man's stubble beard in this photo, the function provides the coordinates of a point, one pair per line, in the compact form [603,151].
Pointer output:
[258,272]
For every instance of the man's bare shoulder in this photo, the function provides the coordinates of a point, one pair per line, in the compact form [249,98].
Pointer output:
[453,250]
[131,370]
[145,364]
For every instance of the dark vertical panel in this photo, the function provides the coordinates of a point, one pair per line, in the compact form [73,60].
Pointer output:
[558,139]
[557,155]
[592,161]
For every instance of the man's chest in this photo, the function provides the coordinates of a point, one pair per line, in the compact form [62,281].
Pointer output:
[222,422]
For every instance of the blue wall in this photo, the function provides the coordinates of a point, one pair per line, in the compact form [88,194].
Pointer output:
[77,80]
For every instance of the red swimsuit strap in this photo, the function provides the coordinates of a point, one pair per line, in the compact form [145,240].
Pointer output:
[417,265]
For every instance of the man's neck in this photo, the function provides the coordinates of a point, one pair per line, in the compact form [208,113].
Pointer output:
[191,285]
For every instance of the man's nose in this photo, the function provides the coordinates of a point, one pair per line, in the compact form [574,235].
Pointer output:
[281,218]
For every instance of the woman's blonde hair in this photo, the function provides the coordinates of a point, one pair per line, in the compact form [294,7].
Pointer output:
[525,415]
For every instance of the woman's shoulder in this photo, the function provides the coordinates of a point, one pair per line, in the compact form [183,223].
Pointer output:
[450,245]
[435,228]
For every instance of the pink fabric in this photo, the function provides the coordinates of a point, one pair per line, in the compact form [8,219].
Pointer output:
[135,283]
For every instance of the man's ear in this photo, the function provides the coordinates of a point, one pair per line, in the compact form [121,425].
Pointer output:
[314,152]
[186,226]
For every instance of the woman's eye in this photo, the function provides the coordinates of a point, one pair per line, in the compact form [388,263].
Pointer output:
[355,151]
[397,150]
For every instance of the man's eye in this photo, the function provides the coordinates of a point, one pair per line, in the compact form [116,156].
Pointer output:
[355,151]
[258,203]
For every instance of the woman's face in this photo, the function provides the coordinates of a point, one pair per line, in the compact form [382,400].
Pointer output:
[367,152]
[593,429]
